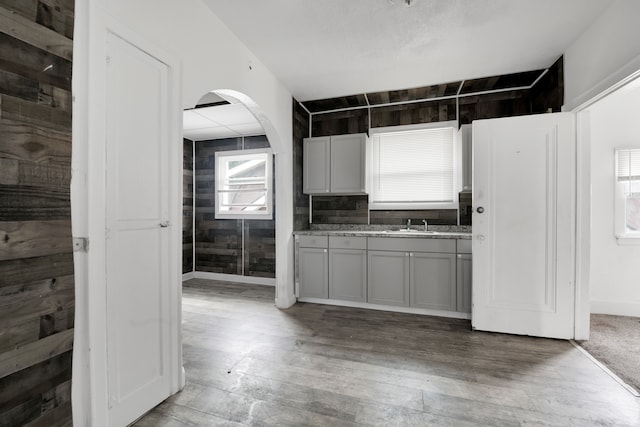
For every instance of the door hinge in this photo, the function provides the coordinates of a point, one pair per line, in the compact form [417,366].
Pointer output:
[80,244]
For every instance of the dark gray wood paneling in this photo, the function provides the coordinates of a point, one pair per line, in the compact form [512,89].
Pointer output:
[37,301]
[219,246]
[187,206]
[301,201]
[548,93]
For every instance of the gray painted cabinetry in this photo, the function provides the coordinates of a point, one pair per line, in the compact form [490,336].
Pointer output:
[335,164]
[313,267]
[431,274]
[348,268]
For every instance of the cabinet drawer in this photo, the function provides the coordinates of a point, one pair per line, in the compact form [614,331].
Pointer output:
[412,244]
[347,242]
[313,241]
[464,246]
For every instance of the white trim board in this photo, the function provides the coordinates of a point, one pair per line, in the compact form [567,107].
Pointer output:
[616,308]
[397,309]
[267,281]
[188,276]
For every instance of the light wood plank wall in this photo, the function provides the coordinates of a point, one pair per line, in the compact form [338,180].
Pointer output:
[36,259]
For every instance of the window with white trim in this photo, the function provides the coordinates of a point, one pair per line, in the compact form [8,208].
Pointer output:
[414,167]
[243,184]
[627,193]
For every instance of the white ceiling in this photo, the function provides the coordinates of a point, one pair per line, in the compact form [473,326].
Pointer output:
[329,48]
[222,121]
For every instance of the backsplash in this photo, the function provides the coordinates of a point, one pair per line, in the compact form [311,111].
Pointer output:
[355,210]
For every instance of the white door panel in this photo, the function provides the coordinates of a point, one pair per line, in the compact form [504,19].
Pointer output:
[137,188]
[524,175]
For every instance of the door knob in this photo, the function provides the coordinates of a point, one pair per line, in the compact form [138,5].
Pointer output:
[164,224]
[480,209]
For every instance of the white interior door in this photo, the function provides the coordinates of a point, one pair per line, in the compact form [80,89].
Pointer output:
[137,234]
[523,225]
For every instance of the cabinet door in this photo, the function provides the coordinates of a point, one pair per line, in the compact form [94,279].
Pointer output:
[313,273]
[465,273]
[316,166]
[388,274]
[348,274]
[348,163]
[433,281]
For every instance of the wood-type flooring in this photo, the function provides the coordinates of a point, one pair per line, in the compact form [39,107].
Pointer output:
[248,363]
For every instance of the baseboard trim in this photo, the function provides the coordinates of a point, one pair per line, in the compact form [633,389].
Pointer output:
[266,281]
[188,276]
[409,310]
[616,308]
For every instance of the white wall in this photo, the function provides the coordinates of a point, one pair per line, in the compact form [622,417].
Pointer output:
[209,57]
[615,276]
[607,52]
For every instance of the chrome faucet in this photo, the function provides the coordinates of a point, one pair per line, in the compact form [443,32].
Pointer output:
[426,225]
[408,223]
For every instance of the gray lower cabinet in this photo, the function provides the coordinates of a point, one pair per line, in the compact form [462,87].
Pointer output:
[388,278]
[313,266]
[465,272]
[313,271]
[433,280]
[348,274]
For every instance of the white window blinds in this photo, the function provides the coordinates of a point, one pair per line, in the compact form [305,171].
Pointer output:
[628,165]
[413,166]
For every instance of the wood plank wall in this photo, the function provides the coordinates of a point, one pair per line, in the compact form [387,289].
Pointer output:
[548,93]
[219,243]
[36,258]
[187,206]
[301,200]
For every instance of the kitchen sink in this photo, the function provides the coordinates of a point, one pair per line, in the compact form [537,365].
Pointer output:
[409,231]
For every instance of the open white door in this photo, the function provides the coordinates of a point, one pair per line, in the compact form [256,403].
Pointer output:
[137,232]
[524,224]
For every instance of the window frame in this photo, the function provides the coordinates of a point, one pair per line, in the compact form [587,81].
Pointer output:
[417,205]
[221,156]
[621,234]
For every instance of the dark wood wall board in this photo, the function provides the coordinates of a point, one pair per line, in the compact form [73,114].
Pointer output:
[548,93]
[399,217]
[35,143]
[301,201]
[335,103]
[57,15]
[464,207]
[505,81]
[413,113]
[259,248]
[19,203]
[340,123]
[495,105]
[37,295]
[340,210]
[24,59]
[187,206]
[26,8]
[413,94]
[27,395]
[36,35]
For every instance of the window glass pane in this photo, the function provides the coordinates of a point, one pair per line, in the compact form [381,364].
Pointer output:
[633,212]
[414,166]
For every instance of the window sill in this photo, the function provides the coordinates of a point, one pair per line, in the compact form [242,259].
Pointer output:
[628,241]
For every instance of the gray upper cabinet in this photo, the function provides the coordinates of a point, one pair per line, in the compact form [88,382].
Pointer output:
[348,268]
[316,165]
[467,150]
[335,165]
[433,280]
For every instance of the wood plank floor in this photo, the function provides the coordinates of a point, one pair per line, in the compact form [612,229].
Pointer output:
[249,363]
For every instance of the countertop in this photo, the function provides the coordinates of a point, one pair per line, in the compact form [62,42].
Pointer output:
[448,232]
